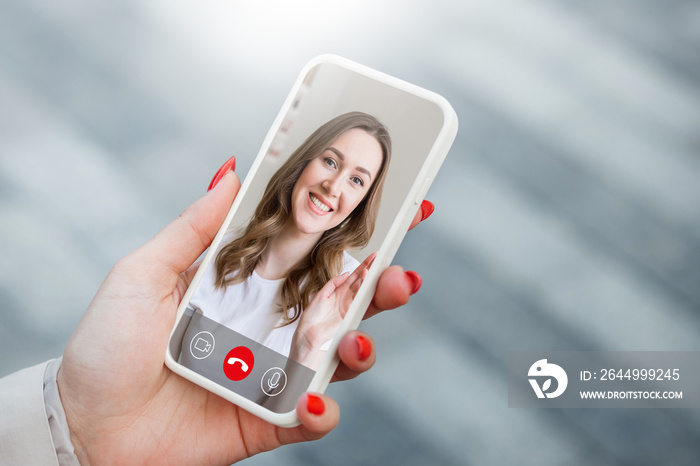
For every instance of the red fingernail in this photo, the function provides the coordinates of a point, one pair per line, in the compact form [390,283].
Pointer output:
[229,165]
[315,404]
[364,346]
[415,279]
[426,209]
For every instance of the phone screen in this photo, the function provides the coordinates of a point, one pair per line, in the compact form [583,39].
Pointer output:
[260,317]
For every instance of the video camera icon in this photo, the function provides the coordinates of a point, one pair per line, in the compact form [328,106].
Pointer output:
[202,345]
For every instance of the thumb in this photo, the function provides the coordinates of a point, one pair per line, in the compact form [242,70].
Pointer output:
[179,244]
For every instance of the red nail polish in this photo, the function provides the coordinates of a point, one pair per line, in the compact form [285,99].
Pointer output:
[426,209]
[229,165]
[364,346]
[415,280]
[315,404]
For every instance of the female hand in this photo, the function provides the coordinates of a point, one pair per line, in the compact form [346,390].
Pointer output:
[320,320]
[124,406]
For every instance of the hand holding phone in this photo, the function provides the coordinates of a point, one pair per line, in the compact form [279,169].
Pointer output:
[122,403]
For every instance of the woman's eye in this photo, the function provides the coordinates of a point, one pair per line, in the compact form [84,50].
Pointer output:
[357,181]
[329,161]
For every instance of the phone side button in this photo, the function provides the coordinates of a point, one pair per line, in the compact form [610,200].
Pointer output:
[423,190]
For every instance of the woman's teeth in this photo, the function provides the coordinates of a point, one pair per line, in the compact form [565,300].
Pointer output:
[319,204]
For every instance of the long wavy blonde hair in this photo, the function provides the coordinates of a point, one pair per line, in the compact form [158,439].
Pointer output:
[325,260]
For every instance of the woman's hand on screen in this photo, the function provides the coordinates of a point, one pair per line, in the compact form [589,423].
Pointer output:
[321,319]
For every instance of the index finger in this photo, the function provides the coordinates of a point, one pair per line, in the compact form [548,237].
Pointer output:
[394,289]
[426,210]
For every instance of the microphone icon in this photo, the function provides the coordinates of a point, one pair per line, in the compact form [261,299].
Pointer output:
[274,381]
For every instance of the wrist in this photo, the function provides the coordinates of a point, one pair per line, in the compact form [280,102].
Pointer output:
[303,347]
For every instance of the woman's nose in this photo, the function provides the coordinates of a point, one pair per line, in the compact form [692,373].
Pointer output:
[332,186]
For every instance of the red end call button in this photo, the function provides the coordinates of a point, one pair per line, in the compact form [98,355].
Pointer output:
[238,363]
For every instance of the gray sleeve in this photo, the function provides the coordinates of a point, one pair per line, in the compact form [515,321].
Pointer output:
[57,417]
[25,436]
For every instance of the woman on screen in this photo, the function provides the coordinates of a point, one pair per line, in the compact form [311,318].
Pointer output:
[285,281]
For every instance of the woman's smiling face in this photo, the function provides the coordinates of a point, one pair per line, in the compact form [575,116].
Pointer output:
[335,182]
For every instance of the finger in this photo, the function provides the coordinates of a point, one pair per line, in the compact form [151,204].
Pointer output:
[179,244]
[357,355]
[352,280]
[229,165]
[333,284]
[348,291]
[360,271]
[355,279]
[354,287]
[426,210]
[318,414]
[367,263]
[394,289]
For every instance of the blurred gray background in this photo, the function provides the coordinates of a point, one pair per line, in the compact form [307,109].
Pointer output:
[567,213]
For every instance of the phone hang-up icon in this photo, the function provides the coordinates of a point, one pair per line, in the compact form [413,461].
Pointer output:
[239,363]
[232,361]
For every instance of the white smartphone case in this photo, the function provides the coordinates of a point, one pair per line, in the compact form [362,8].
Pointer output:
[421,184]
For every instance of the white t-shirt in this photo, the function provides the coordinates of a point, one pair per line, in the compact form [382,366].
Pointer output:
[250,307]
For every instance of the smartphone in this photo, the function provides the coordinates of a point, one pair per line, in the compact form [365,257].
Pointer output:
[339,177]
